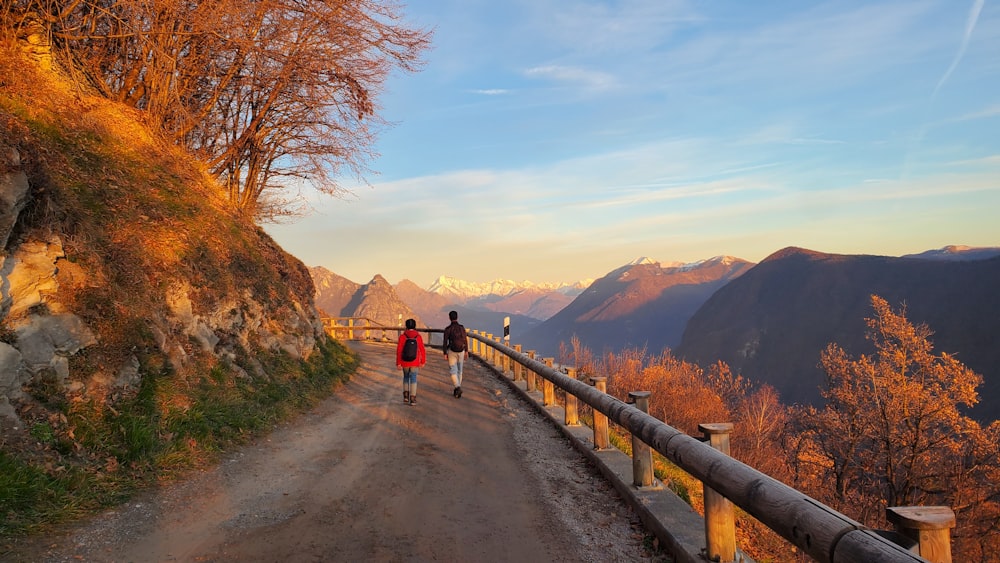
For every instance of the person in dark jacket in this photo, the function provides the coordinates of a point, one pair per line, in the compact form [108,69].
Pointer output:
[456,349]
[410,367]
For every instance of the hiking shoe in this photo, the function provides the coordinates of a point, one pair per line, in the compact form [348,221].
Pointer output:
[458,392]
[455,392]
[406,396]
[413,400]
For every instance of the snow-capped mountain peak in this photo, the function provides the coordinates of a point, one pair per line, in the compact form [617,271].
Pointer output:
[723,260]
[454,287]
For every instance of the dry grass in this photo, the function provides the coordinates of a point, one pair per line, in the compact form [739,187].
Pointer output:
[135,217]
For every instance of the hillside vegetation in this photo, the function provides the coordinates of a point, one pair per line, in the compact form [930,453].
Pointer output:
[145,323]
[891,433]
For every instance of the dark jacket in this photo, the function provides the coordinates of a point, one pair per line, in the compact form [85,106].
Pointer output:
[455,338]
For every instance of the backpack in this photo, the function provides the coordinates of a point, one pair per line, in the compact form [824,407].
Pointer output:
[459,341]
[409,349]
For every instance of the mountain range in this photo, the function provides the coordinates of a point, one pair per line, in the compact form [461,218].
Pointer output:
[772,323]
[768,321]
[643,304]
[480,305]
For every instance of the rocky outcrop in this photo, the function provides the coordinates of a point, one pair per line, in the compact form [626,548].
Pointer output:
[28,276]
[40,332]
[41,336]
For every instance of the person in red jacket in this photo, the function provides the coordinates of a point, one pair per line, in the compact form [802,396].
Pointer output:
[410,357]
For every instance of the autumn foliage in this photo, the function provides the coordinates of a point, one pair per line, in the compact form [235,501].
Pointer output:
[271,95]
[892,431]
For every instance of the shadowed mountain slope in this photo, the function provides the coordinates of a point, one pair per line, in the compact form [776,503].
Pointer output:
[333,292]
[642,304]
[429,306]
[771,323]
[377,300]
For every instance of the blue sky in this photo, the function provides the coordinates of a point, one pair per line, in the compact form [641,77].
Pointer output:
[560,139]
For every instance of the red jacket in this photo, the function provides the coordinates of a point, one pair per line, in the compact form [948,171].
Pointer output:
[421,353]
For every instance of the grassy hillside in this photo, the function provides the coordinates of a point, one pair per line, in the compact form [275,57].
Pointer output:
[135,220]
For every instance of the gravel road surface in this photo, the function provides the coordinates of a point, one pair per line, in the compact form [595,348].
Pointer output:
[365,477]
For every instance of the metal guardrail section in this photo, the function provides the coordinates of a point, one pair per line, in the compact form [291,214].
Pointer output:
[816,529]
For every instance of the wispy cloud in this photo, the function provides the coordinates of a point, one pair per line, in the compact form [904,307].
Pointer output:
[992,160]
[678,129]
[591,79]
[491,91]
[970,26]
[988,113]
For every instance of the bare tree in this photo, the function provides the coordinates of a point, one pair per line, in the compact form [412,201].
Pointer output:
[274,95]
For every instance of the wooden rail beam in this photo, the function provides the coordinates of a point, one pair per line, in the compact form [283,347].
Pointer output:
[819,531]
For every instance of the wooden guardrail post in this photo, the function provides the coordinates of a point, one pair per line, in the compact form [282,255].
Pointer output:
[529,384]
[350,329]
[572,417]
[720,520]
[474,344]
[500,359]
[817,530]
[930,526]
[548,388]
[517,365]
[642,454]
[601,438]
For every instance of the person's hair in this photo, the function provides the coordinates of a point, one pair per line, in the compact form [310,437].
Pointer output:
[410,323]
[453,315]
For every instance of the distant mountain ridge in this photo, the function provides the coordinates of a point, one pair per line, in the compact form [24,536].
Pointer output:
[337,296]
[772,323]
[642,304]
[464,290]
[333,292]
[957,253]
[768,321]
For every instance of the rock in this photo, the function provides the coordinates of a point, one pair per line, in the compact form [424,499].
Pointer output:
[128,375]
[7,411]
[14,190]
[46,341]
[28,276]
[204,335]
[11,371]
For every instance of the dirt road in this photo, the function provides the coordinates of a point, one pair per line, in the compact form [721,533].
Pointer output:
[365,477]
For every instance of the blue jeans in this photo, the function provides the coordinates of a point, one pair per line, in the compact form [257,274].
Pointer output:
[410,375]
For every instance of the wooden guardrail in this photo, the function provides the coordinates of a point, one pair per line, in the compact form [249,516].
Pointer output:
[819,531]
[363,328]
